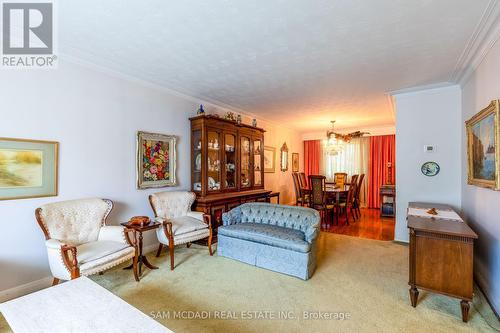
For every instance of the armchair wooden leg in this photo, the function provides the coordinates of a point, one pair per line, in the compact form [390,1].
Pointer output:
[210,244]
[135,267]
[160,247]
[55,281]
[171,250]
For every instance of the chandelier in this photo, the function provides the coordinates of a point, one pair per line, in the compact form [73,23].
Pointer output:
[335,142]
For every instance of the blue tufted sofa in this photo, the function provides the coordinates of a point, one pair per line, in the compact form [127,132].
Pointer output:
[277,237]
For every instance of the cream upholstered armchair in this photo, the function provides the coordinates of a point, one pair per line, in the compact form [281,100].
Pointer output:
[80,243]
[180,225]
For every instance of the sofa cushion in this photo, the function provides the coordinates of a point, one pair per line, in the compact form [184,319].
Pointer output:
[268,234]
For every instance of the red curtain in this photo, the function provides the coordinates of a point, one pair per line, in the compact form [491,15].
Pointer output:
[382,151]
[312,158]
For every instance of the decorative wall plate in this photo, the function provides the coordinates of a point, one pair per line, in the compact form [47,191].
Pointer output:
[430,169]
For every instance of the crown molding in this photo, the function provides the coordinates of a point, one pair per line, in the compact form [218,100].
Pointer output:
[438,85]
[212,103]
[484,37]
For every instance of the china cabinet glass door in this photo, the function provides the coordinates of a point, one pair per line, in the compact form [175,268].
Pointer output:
[213,161]
[257,162]
[245,162]
[196,167]
[230,161]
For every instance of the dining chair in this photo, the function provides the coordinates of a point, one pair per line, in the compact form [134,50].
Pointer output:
[303,180]
[348,203]
[318,198]
[301,195]
[357,201]
[340,178]
[296,186]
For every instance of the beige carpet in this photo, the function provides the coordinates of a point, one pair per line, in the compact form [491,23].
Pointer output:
[365,279]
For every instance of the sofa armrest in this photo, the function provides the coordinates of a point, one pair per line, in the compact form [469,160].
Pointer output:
[312,230]
[112,233]
[311,234]
[232,217]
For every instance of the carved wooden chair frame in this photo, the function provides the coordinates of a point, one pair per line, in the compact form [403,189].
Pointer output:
[69,254]
[167,228]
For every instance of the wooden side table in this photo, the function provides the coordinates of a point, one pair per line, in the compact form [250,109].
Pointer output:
[274,195]
[142,258]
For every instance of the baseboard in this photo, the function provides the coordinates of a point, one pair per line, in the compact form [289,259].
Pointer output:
[480,284]
[401,242]
[30,287]
[24,289]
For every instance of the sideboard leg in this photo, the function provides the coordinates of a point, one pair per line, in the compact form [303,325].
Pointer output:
[465,310]
[413,296]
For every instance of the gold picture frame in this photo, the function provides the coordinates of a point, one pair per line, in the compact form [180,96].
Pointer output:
[28,168]
[295,162]
[483,143]
[269,159]
[284,157]
[156,160]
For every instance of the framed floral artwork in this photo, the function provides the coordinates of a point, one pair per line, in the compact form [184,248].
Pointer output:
[483,151]
[156,160]
[295,162]
[28,168]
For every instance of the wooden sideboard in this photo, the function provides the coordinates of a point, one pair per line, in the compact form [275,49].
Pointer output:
[441,257]
[387,209]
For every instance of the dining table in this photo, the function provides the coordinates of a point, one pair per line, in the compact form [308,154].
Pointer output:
[334,193]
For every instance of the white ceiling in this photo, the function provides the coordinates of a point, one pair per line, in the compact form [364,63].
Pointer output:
[298,62]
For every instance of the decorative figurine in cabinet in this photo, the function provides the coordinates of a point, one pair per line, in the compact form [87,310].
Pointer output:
[227,163]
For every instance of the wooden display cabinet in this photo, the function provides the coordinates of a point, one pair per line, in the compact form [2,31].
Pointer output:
[227,165]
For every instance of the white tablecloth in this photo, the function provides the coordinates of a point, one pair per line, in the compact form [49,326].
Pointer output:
[442,214]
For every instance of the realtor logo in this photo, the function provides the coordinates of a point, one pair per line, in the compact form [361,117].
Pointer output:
[28,34]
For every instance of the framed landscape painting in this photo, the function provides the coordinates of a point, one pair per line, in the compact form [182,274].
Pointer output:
[483,155]
[269,159]
[28,168]
[156,160]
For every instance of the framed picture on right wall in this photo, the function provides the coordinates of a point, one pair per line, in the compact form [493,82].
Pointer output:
[483,142]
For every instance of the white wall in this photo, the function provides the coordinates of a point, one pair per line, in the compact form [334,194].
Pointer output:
[423,118]
[95,117]
[481,206]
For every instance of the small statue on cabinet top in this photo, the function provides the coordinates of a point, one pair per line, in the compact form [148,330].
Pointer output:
[254,122]
[200,110]
[229,116]
[238,119]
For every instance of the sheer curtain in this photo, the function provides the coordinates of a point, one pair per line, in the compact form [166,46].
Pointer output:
[353,160]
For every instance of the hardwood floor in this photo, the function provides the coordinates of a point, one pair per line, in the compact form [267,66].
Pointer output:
[370,226]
